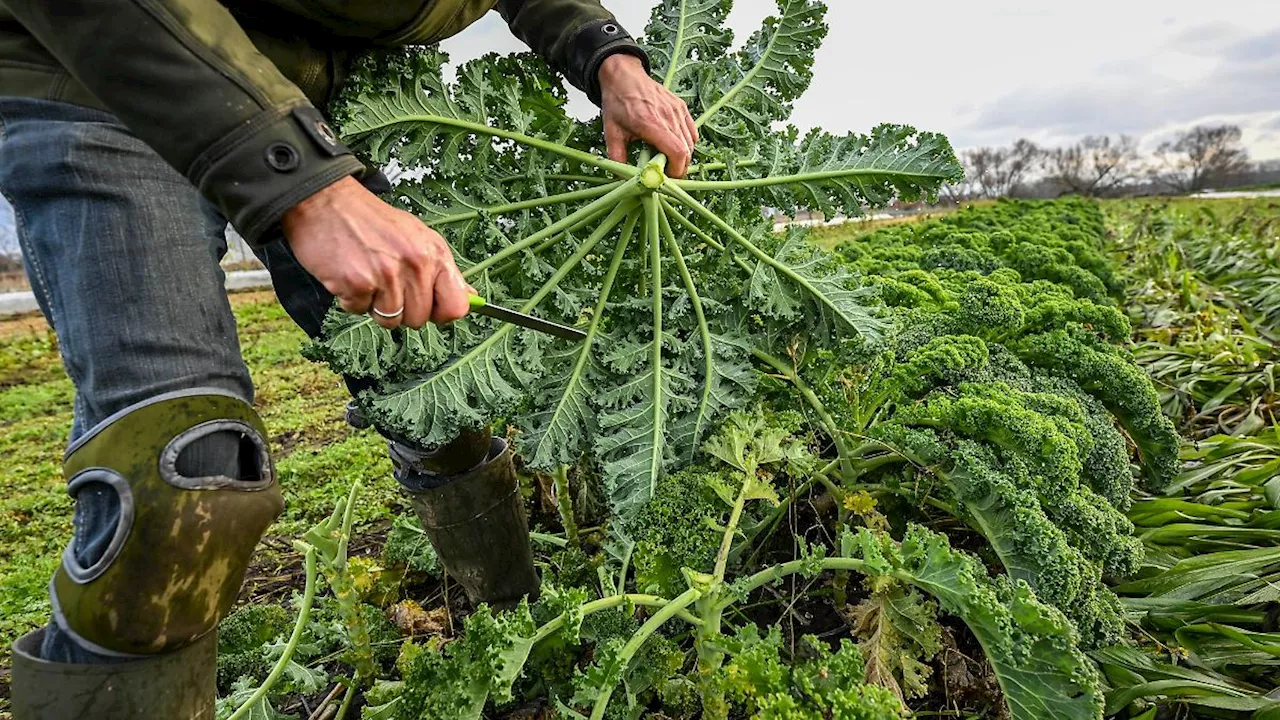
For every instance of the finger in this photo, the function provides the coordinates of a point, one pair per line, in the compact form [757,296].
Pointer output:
[615,139]
[419,294]
[679,114]
[355,295]
[389,301]
[689,122]
[667,142]
[452,299]
[679,127]
[677,149]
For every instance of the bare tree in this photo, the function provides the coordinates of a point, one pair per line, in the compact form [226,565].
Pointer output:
[1200,157]
[999,172]
[1096,166]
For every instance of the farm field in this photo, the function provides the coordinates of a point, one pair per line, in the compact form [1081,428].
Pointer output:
[873,519]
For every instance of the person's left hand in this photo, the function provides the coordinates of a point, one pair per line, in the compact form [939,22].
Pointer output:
[637,108]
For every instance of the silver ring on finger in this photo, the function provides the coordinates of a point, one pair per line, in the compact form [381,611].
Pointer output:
[390,315]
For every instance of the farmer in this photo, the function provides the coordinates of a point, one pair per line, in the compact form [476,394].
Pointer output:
[131,132]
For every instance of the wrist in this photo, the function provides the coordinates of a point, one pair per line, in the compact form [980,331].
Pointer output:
[322,202]
[619,66]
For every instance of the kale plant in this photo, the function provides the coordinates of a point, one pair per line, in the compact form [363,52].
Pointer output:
[674,281]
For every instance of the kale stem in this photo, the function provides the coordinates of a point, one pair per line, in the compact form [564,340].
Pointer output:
[824,416]
[659,403]
[565,504]
[677,48]
[501,333]
[640,600]
[606,288]
[304,616]
[617,168]
[777,572]
[346,702]
[593,179]
[750,247]
[684,600]
[613,198]
[712,167]
[561,199]
[548,539]
[761,62]
[750,183]
[513,263]
[615,218]
[704,237]
[704,332]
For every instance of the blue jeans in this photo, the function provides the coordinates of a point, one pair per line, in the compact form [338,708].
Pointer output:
[122,253]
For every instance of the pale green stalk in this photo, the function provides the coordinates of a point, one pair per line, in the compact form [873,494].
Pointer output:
[563,198]
[615,196]
[703,236]
[750,247]
[565,504]
[552,283]
[514,262]
[594,179]
[346,702]
[748,183]
[606,289]
[655,259]
[745,82]
[712,167]
[617,168]
[704,331]
[682,601]
[810,397]
[299,626]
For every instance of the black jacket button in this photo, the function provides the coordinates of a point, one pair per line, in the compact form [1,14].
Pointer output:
[282,157]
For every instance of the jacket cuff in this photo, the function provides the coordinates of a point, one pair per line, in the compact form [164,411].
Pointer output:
[268,165]
[594,42]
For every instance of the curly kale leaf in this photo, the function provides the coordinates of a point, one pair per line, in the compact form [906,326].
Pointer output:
[658,271]
[1032,647]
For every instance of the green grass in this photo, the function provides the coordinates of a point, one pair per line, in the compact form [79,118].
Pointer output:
[317,454]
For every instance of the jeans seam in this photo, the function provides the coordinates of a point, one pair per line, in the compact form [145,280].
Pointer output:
[29,257]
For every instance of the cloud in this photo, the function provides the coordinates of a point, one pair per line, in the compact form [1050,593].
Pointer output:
[1138,99]
[1209,39]
[1259,48]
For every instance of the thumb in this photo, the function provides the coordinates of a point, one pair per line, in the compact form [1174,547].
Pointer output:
[615,139]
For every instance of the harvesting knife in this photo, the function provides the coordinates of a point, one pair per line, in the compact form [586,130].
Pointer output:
[484,307]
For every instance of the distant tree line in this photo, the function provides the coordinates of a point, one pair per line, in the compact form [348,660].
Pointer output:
[1201,158]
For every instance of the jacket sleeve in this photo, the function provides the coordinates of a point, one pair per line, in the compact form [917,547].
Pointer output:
[183,76]
[575,37]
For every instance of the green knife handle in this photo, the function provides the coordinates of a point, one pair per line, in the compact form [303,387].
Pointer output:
[477,302]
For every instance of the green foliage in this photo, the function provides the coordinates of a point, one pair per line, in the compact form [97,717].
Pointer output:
[899,634]
[675,281]
[1032,647]
[409,548]
[674,530]
[241,638]
[759,680]
[455,681]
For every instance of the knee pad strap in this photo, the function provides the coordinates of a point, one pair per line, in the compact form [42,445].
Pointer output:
[179,553]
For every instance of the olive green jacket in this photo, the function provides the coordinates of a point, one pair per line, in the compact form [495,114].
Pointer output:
[226,90]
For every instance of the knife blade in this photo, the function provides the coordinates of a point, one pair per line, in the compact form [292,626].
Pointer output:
[484,307]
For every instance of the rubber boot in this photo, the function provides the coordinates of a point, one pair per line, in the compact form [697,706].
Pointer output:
[474,516]
[174,685]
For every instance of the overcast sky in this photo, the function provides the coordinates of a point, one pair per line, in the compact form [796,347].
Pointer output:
[991,71]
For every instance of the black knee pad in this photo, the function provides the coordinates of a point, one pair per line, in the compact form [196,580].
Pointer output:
[196,490]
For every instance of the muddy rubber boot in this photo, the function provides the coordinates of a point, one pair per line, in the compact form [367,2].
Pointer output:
[165,687]
[474,516]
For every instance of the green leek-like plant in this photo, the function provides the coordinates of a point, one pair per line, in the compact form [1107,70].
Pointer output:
[675,281]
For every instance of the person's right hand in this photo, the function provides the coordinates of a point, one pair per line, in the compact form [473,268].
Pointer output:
[372,256]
